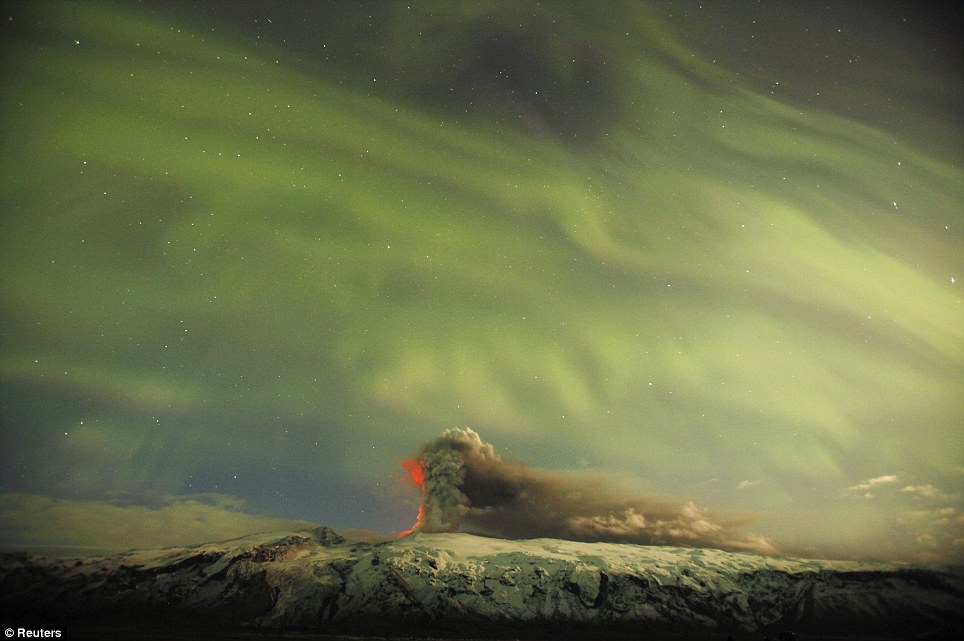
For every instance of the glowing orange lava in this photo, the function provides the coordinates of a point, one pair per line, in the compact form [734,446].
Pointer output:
[416,472]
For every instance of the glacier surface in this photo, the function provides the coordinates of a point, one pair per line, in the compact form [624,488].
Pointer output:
[460,585]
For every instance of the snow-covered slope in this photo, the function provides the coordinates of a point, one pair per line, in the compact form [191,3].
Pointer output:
[464,584]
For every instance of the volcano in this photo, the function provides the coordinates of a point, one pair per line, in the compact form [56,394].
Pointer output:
[315,583]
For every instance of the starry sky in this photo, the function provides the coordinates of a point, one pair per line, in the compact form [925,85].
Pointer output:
[254,254]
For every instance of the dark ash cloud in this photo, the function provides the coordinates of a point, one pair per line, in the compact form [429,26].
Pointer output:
[467,486]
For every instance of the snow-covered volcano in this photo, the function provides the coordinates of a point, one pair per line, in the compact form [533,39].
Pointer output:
[460,585]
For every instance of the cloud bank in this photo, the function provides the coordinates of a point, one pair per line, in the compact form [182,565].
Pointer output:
[29,521]
[467,486]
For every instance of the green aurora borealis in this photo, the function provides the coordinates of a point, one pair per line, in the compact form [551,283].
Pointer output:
[247,267]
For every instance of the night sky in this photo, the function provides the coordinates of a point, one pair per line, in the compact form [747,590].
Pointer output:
[253,254]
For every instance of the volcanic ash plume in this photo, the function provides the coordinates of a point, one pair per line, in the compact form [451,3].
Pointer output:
[467,486]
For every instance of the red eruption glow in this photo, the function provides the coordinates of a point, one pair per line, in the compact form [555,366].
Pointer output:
[416,472]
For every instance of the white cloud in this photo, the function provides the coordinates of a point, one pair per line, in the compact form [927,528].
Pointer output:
[863,486]
[745,484]
[928,491]
[935,533]
[927,540]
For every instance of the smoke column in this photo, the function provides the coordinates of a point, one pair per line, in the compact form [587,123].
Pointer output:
[466,486]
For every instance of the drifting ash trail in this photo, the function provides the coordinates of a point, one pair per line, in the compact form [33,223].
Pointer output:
[467,486]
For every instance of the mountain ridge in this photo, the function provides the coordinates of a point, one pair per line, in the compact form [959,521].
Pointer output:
[467,586]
